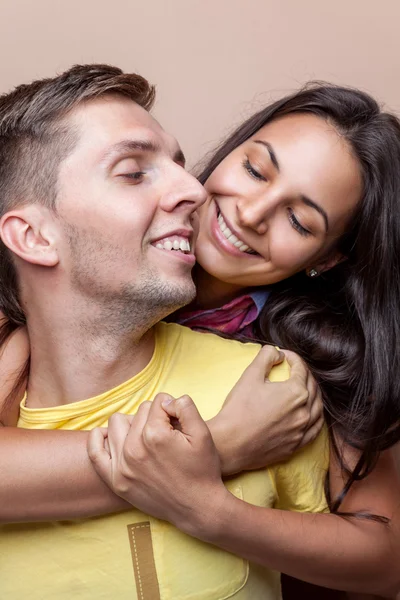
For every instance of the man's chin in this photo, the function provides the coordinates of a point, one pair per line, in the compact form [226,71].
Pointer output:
[179,296]
[155,297]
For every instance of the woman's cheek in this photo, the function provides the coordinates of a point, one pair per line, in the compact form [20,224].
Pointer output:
[286,254]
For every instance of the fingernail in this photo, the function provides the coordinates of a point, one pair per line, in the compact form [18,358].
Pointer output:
[167,400]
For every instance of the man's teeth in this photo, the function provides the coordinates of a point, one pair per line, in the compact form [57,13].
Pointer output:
[174,244]
[226,232]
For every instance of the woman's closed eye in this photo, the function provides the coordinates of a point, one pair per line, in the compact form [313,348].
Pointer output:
[296,225]
[252,171]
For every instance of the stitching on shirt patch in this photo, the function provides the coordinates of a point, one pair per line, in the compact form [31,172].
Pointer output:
[144,567]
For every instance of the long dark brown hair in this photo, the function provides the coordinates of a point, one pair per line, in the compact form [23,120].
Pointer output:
[346,323]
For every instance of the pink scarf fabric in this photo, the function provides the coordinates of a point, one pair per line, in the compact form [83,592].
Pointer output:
[237,316]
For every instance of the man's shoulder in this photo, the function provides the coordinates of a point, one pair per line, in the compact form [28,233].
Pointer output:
[208,345]
[202,365]
[208,352]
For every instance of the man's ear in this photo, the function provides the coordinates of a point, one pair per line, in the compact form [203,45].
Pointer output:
[29,234]
[331,261]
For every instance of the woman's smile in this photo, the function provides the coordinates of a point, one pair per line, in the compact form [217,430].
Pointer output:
[278,203]
[227,237]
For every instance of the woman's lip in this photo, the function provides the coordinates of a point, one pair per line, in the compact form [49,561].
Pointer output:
[222,241]
[229,225]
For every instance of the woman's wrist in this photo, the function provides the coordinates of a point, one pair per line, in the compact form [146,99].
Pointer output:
[228,453]
[208,521]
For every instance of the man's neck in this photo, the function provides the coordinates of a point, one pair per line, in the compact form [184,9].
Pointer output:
[71,361]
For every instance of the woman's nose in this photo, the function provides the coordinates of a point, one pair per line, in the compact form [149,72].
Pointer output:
[253,214]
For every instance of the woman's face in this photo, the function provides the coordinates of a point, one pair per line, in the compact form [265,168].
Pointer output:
[277,203]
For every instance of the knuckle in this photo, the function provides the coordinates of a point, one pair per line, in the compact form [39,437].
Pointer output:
[132,454]
[267,354]
[153,436]
[162,396]
[313,433]
[125,472]
[273,353]
[143,407]
[93,454]
[314,392]
[318,409]
[302,419]
[268,349]
[301,395]
[204,437]
[120,485]
[297,441]
[183,403]
[114,418]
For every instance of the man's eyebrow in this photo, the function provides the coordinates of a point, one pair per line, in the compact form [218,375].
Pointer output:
[271,151]
[127,146]
[318,208]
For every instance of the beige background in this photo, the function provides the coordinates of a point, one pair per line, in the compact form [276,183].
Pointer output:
[214,61]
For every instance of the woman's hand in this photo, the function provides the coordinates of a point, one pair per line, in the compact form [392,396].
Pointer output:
[262,423]
[171,471]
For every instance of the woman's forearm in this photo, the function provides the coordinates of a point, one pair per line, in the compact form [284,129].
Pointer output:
[47,475]
[323,549]
[177,479]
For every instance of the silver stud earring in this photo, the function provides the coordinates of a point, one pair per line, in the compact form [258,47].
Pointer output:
[313,273]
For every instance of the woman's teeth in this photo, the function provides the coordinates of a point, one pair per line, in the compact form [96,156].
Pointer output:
[227,233]
[174,244]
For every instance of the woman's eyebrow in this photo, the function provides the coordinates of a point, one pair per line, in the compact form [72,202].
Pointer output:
[271,152]
[318,208]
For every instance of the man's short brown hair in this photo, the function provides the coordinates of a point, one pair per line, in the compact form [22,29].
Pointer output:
[35,138]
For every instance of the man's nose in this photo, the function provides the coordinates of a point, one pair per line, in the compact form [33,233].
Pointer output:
[186,194]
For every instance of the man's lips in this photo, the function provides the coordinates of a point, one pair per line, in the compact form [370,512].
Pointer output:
[181,234]
[176,243]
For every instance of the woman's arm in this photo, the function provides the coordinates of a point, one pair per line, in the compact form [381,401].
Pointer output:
[47,475]
[327,550]
[262,423]
[175,475]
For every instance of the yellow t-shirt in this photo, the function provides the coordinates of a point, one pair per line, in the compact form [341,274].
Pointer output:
[131,556]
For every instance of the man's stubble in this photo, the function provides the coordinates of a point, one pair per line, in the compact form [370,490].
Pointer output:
[126,307]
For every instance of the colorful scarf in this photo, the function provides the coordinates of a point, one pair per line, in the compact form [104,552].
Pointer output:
[237,316]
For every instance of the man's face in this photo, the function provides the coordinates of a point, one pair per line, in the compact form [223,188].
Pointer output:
[125,207]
